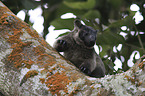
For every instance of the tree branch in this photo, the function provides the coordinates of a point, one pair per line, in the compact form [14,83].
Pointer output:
[31,67]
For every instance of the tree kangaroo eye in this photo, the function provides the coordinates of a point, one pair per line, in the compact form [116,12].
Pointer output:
[86,33]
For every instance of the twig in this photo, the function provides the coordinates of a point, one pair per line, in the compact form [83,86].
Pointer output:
[139,38]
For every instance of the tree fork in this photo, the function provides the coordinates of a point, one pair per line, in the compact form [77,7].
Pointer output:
[31,67]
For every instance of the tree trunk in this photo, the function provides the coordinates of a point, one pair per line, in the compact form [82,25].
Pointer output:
[31,67]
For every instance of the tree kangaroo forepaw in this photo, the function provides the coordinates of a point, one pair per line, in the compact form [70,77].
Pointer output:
[61,42]
[85,70]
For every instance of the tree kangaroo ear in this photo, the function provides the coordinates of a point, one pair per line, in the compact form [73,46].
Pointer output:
[78,23]
[97,31]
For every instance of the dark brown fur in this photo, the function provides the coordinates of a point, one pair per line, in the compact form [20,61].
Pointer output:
[78,47]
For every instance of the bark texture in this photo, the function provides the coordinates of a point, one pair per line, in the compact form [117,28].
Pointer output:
[31,67]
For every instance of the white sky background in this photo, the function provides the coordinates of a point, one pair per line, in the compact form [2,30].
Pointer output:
[37,19]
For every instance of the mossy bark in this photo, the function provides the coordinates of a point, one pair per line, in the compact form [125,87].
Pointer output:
[31,67]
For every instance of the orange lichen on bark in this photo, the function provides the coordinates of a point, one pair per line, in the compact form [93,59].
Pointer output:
[58,82]
[4,9]
[64,67]
[16,43]
[46,55]
[130,79]
[27,63]
[42,56]
[16,57]
[141,65]
[29,74]
[44,59]
[15,27]
[6,19]
[50,71]
[3,19]
[18,62]
[39,50]
[32,33]
[42,80]
[133,80]
[50,60]
[15,38]
[44,43]
[19,23]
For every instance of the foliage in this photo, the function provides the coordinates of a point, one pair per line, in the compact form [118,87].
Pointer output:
[108,16]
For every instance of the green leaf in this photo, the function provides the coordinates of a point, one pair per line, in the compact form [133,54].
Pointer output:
[63,24]
[116,3]
[111,35]
[65,9]
[92,14]
[109,65]
[89,4]
[127,21]
[109,38]
[105,49]
[29,4]
[63,34]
